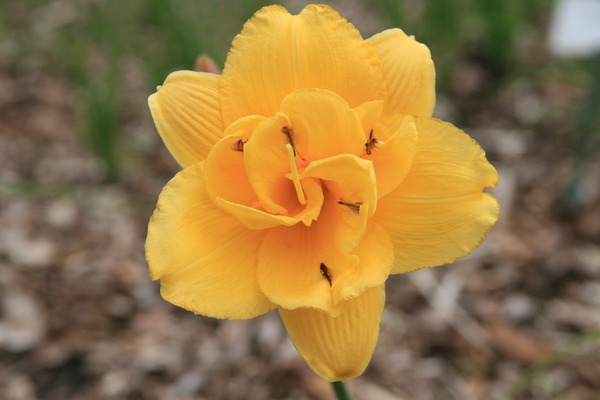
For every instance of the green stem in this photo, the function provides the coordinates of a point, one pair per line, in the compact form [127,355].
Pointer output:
[341,390]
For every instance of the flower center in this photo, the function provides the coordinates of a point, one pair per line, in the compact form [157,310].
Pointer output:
[282,170]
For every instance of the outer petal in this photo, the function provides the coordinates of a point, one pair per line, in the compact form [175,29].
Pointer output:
[439,212]
[408,72]
[277,53]
[187,114]
[206,260]
[338,348]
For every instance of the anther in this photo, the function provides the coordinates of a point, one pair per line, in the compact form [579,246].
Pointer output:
[287,131]
[353,206]
[239,145]
[370,143]
[325,273]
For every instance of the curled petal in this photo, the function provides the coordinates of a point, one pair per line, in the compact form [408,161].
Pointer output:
[369,113]
[375,253]
[254,218]
[349,179]
[440,212]
[224,171]
[323,124]
[408,72]
[205,259]
[187,114]
[277,53]
[350,199]
[337,348]
[266,161]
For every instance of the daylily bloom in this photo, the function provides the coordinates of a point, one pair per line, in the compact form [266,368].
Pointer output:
[312,170]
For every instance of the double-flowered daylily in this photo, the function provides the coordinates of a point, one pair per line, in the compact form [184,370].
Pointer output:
[312,170]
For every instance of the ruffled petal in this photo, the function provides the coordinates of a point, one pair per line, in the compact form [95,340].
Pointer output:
[187,114]
[338,348]
[277,53]
[408,72]
[323,124]
[439,213]
[205,259]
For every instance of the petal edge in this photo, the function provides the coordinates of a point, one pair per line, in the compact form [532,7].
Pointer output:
[187,114]
[277,53]
[204,258]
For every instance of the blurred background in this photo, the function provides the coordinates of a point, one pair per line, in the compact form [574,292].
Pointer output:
[81,166]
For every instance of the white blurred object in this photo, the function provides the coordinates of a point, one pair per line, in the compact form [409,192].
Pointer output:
[575,28]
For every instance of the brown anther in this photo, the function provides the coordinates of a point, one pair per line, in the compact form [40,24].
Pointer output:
[239,145]
[353,206]
[287,131]
[325,273]
[370,143]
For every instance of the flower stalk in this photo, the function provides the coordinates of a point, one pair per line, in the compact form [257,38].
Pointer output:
[341,390]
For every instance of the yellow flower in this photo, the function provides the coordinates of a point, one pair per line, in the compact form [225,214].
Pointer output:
[312,169]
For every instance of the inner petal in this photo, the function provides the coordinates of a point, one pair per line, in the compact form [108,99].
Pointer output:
[324,124]
[391,146]
[349,178]
[350,199]
[376,256]
[224,172]
[288,269]
[256,218]
[266,162]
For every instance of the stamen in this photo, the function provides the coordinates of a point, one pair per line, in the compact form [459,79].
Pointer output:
[239,145]
[295,177]
[353,206]
[325,273]
[287,131]
[370,143]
